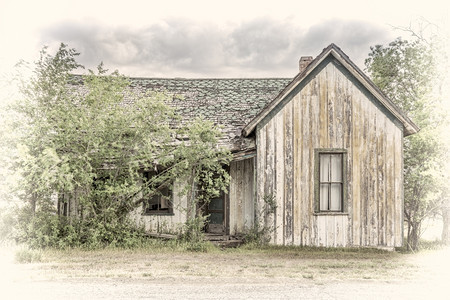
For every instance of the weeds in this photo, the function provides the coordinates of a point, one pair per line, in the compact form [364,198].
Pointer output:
[259,234]
[26,255]
[423,245]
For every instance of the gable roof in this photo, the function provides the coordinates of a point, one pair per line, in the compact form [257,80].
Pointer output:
[335,52]
[230,103]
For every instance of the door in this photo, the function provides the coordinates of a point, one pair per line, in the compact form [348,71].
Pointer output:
[216,212]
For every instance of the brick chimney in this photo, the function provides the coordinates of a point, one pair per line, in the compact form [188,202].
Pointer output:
[304,62]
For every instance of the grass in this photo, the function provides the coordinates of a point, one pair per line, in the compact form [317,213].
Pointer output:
[173,260]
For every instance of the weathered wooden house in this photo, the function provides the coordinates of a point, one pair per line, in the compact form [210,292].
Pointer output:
[326,146]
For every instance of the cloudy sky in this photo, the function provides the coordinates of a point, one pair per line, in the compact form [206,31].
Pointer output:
[230,38]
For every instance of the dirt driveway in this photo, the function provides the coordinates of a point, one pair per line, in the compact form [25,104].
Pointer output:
[225,276]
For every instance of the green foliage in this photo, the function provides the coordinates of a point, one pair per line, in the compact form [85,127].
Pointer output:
[405,71]
[88,142]
[84,146]
[45,229]
[192,234]
[201,162]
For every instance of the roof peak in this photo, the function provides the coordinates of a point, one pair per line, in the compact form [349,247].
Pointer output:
[339,55]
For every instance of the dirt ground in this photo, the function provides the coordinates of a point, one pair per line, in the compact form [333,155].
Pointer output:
[230,275]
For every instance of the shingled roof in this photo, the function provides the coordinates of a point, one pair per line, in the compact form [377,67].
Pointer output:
[231,103]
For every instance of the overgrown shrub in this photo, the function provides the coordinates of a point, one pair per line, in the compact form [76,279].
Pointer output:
[192,235]
[48,230]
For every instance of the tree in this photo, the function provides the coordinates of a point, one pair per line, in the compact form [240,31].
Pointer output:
[84,144]
[405,71]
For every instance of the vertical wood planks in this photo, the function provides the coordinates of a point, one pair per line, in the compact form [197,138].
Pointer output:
[331,111]
[297,168]
[248,196]
[390,186]
[306,172]
[357,148]
[241,196]
[260,176]
[381,178]
[398,166]
[232,198]
[269,188]
[372,199]
[288,175]
[279,178]
[348,144]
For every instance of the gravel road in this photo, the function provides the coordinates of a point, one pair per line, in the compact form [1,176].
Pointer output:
[225,289]
[20,281]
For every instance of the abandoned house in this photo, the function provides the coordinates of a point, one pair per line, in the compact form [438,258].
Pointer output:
[327,145]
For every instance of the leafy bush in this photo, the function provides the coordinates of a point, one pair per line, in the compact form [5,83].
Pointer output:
[192,236]
[48,230]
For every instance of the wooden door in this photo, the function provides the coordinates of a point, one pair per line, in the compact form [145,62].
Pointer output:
[216,212]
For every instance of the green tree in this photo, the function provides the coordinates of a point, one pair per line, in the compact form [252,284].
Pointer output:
[84,143]
[405,71]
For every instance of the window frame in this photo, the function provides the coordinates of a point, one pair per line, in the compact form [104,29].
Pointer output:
[317,182]
[165,212]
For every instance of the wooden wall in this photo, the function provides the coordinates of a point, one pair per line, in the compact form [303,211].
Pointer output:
[165,223]
[332,111]
[241,196]
[239,211]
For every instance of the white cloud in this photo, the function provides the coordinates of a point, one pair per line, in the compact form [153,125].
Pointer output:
[184,47]
[200,37]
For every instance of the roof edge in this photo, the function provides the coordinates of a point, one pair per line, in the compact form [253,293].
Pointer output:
[339,55]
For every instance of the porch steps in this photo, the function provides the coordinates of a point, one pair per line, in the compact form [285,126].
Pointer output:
[221,240]
[164,236]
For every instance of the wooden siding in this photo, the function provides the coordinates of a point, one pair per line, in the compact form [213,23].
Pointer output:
[241,196]
[170,223]
[331,110]
[239,212]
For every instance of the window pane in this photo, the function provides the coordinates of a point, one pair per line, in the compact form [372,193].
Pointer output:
[216,218]
[324,167]
[153,202]
[216,203]
[165,197]
[336,197]
[336,167]
[324,196]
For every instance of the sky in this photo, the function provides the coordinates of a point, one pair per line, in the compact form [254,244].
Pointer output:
[200,39]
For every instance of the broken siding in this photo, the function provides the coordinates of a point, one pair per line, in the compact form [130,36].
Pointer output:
[332,110]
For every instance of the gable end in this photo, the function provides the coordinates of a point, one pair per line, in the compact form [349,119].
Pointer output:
[335,54]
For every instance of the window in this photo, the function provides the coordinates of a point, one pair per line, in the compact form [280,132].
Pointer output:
[330,183]
[160,200]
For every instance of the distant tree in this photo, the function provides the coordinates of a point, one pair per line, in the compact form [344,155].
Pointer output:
[406,71]
[84,148]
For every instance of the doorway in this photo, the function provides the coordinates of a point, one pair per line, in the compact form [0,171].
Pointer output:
[216,210]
